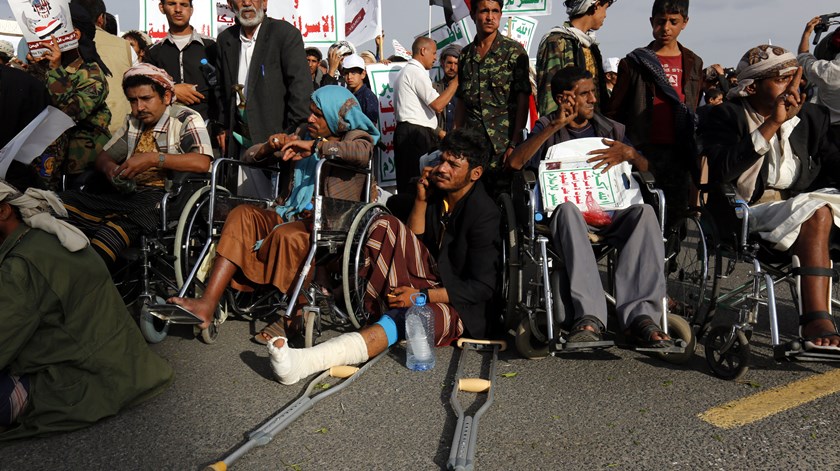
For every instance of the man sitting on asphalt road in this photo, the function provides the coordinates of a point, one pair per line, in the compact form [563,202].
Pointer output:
[70,354]
[639,278]
[448,251]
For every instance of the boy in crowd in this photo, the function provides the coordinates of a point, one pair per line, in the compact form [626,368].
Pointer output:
[353,70]
[656,97]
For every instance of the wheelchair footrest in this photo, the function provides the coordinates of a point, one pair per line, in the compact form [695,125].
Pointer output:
[566,347]
[173,314]
[679,347]
[795,351]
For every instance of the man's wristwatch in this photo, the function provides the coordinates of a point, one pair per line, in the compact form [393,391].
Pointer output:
[425,292]
[161,160]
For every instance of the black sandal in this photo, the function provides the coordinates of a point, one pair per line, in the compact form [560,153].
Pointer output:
[808,342]
[580,334]
[642,330]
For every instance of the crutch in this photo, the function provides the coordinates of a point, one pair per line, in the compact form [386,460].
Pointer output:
[263,435]
[466,431]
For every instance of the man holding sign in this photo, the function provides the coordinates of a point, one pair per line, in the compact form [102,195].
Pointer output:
[634,231]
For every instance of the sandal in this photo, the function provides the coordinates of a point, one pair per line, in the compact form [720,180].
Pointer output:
[275,329]
[641,332]
[808,342]
[580,334]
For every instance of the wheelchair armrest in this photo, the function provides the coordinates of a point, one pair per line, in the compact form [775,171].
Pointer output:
[338,162]
[530,177]
[644,178]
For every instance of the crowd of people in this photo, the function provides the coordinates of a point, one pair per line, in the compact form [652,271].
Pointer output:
[70,354]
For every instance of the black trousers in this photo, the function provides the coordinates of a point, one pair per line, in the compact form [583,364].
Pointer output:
[410,142]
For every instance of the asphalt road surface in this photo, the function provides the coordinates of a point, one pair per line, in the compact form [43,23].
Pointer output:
[616,409]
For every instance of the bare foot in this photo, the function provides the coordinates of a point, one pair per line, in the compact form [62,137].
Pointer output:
[202,309]
[819,327]
[280,342]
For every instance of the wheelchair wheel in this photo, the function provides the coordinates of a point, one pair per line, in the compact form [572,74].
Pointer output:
[510,281]
[191,233]
[309,333]
[692,270]
[353,260]
[679,328]
[154,330]
[527,344]
[732,363]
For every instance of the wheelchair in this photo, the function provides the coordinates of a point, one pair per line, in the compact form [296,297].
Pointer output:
[709,245]
[337,237]
[532,286]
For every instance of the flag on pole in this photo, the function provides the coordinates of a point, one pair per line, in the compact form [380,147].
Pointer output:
[453,10]
[361,20]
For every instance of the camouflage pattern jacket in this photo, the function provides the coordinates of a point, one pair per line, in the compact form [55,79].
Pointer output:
[558,50]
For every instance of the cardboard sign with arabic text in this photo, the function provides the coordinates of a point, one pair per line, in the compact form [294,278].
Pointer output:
[41,20]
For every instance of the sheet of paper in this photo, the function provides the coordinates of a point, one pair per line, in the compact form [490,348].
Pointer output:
[32,140]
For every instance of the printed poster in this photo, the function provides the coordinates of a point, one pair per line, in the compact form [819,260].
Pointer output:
[382,77]
[566,176]
[461,33]
[360,20]
[224,17]
[39,20]
[320,22]
[527,7]
[521,29]
[154,22]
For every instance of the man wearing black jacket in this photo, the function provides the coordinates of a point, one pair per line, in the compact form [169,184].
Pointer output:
[448,252]
[267,58]
[180,55]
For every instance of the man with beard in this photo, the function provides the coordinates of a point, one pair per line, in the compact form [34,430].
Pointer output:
[448,251]
[449,63]
[265,56]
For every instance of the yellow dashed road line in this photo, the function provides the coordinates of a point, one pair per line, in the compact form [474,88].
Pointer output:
[764,404]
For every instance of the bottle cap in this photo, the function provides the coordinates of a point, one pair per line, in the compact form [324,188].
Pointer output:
[203,61]
[418,299]
[538,217]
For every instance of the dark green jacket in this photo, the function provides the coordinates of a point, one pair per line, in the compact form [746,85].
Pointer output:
[66,327]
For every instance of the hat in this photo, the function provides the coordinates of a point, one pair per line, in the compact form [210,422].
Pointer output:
[611,64]
[344,48]
[7,48]
[453,50]
[353,61]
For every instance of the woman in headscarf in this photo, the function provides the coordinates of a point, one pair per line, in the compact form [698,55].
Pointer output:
[76,83]
[774,148]
[262,247]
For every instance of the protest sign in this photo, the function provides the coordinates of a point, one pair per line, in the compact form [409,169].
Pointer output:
[154,22]
[223,17]
[361,22]
[40,20]
[527,7]
[566,176]
[521,29]
[461,33]
[32,140]
[382,79]
[320,22]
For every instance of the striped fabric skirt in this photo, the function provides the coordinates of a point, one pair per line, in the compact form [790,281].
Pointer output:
[114,221]
[14,395]
[395,257]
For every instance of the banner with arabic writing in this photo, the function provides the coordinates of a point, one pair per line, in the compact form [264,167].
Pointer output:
[154,22]
[521,29]
[361,23]
[41,21]
[382,77]
[527,7]
[321,22]
[461,33]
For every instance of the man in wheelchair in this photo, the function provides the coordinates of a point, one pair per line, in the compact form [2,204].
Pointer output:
[267,247]
[447,251]
[776,150]
[158,137]
[635,231]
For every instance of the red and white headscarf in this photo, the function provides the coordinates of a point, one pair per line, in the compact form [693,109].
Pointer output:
[157,74]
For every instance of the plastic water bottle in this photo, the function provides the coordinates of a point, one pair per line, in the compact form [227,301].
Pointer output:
[420,334]
[210,73]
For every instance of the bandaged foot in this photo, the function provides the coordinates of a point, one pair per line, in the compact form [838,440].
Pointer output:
[290,365]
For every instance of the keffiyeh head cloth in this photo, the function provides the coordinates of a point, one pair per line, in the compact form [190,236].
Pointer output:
[579,7]
[760,63]
[37,207]
[155,73]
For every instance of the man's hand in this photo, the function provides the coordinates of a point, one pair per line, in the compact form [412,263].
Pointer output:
[790,102]
[616,153]
[297,149]
[566,111]
[135,165]
[53,55]
[187,94]
[401,297]
[334,60]
[806,34]
[423,185]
